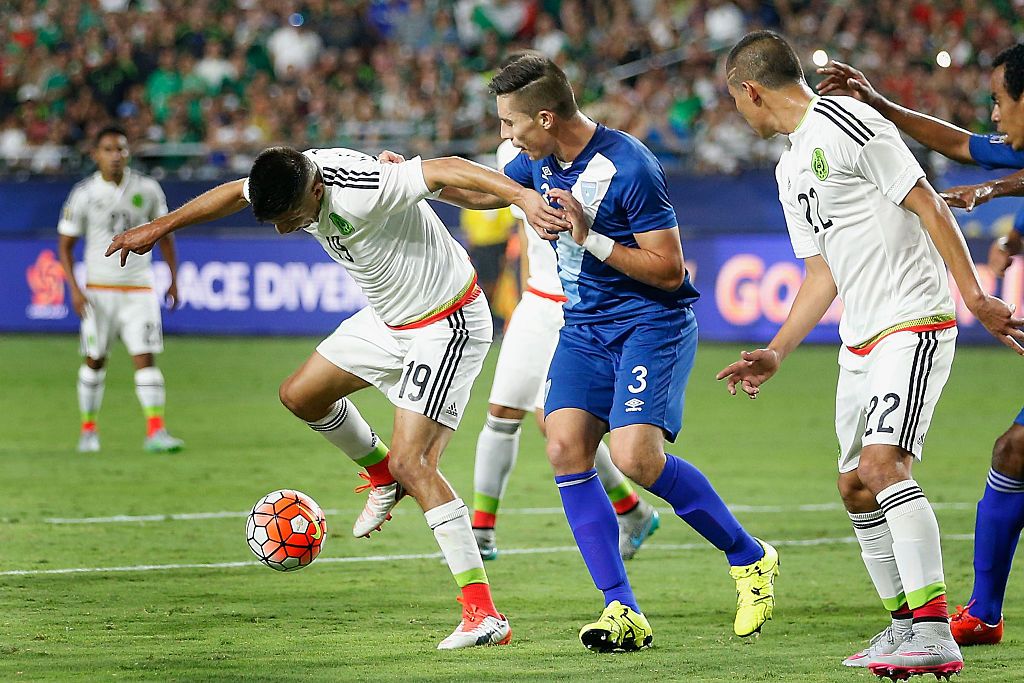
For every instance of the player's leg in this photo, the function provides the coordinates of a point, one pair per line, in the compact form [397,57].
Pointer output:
[997,529]
[519,376]
[140,328]
[95,337]
[637,518]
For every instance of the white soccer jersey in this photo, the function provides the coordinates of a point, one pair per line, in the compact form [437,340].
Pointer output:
[98,210]
[375,221]
[841,182]
[543,263]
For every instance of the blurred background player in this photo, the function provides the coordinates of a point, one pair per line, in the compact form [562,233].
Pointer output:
[627,346]
[1000,516]
[422,347]
[518,388]
[487,234]
[871,230]
[118,302]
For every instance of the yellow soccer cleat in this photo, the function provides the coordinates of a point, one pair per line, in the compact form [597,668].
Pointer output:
[620,629]
[755,591]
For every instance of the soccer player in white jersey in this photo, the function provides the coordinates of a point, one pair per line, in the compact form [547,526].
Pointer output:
[421,341]
[117,302]
[518,388]
[872,231]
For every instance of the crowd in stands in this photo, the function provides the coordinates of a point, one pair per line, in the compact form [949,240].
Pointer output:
[201,86]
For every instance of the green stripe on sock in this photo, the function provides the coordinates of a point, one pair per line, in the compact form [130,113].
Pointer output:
[153,411]
[475,575]
[374,456]
[623,490]
[484,503]
[922,595]
[89,417]
[893,604]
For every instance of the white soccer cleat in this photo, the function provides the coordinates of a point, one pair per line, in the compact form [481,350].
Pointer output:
[478,629]
[380,501]
[89,442]
[884,643]
[929,648]
[162,442]
[486,543]
[634,528]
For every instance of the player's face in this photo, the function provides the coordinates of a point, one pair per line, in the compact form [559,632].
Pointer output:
[1007,113]
[111,155]
[305,214]
[754,115]
[526,132]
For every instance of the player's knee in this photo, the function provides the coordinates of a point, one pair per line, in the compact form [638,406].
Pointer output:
[1008,454]
[294,400]
[409,467]
[856,496]
[95,363]
[566,457]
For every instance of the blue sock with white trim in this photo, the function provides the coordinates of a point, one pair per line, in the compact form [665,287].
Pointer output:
[691,495]
[592,520]
[996,532]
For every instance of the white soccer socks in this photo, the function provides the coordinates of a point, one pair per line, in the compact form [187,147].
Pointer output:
[915,541]
[875,540]
[344,427]
[496,451]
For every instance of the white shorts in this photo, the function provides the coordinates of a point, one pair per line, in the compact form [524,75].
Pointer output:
[889,395]
[132,315]
[526,352]
[429,370]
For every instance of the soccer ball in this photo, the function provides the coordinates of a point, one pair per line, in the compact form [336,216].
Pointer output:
[286,530]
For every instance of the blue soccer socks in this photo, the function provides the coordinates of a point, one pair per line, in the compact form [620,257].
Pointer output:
[996,532]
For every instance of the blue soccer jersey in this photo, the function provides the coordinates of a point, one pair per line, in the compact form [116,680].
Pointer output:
[992,151]
[622,189]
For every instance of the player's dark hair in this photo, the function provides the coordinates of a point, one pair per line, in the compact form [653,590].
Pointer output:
[1013,77]
[277,181]
[765,57]
[109,129]
[538,84]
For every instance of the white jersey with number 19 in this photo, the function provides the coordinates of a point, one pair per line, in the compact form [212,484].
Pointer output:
[841,183]
[374,221]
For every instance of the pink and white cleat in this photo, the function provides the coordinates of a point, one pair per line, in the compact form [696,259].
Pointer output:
[928,649]
[884,643]
[477,629]
[379,504]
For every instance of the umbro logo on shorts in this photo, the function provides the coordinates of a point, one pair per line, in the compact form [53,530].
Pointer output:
[634,405]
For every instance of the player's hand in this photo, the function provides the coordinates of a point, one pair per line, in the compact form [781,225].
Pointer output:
[997,317]
[753,369]
[171,296]
[547,220]
[999,259]
[79,302]
[138,240]
[967,196]
[843,79]
[389,157]
[573,212]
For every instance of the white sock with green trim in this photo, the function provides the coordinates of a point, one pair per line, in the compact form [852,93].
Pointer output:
[915,541]
[876,550]
[450,524]
[344,427]
[496,451]
[610,476]
[90,394]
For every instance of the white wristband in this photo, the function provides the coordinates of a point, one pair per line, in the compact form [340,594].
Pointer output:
[599,245]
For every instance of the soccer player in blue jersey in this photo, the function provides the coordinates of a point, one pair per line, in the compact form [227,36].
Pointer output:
[1000,516]
[627,347]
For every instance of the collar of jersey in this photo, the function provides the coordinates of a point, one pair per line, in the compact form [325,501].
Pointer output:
[810,105]
[124,179]
[583,152]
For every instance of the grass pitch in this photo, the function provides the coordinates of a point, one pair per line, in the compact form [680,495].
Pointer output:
[169,591]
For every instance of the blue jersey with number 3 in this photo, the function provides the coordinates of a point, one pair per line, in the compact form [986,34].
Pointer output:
[992,151]
[622,189]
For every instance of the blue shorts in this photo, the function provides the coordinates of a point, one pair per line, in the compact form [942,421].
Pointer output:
[625,373]
[1020,418]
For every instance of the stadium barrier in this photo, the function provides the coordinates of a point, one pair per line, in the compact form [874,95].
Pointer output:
[288,286]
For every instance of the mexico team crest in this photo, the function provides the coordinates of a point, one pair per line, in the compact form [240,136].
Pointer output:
[588,190]
[343,226]
[818,163]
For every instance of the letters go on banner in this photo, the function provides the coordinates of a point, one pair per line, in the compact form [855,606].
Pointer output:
[288,286]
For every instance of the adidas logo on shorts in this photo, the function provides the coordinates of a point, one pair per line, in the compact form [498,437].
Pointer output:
[451,410]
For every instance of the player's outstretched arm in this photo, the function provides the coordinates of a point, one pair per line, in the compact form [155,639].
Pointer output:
[945,138]
[1002,251]
[478,181]
[657,260]
[754,368]
[970,196]
[992,312]
[223,200]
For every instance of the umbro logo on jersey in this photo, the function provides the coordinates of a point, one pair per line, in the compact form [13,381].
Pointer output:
[343,226]
[452,411]
[634,405]
[545,172]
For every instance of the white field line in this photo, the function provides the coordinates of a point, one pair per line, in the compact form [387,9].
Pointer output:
[430,556]
[186,516]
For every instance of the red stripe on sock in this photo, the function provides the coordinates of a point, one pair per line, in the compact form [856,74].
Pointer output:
[483,520]
[903,612]
[936,607]
[479,594]
[380,474]
[626,504]
[154,424]
[89,426]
